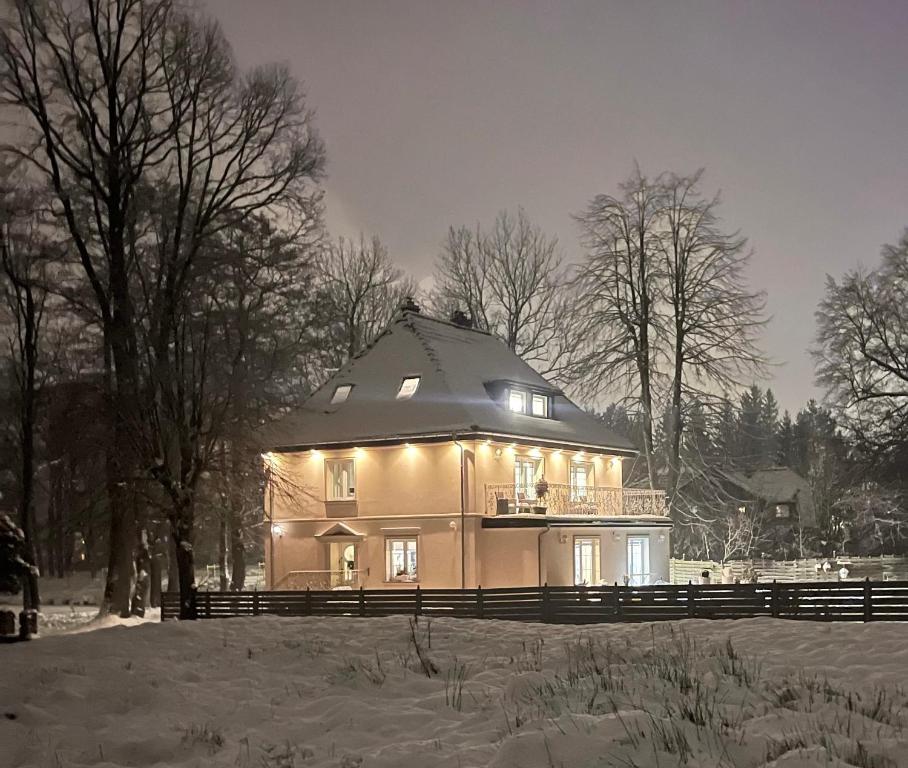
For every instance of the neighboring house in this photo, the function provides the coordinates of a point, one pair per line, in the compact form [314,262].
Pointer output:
[438,457]
[781,504]
[780,495]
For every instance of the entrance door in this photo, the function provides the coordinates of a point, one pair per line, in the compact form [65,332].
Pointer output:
[342,563]
[586,560]
[638,560]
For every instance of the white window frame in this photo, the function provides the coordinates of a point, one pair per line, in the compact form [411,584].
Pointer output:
[410,544]
[521,485]
[333,465]
[645,576]
[341,394]
[517,393]
[408,387]
[582,492]
[592,545]
[544,400]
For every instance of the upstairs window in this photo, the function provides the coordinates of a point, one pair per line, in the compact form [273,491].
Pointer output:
[517,401]
[581,480]
[783,512]
[527,472]
[341,393]
[540,406]
[341,479]
[408,388]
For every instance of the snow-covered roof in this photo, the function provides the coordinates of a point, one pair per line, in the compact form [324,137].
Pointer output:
[462,371]
[776,485]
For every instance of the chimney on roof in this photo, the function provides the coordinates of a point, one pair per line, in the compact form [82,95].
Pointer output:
[462,319]
[408,305]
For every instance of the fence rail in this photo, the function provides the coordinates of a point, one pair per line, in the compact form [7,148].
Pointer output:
[845,601]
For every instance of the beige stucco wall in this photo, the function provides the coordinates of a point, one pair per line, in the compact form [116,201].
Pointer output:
[418,488]
[416,479]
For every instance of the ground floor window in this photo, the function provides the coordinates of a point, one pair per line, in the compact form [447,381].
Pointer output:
[400,558]
[638,560]
[586,560]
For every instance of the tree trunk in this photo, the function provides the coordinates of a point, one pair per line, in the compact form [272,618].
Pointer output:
[235,522]
[142,566]
[181,528]
[31,598]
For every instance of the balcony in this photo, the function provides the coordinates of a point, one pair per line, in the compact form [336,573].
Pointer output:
[562,500]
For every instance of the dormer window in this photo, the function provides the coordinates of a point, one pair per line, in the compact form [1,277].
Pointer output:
[408,388]
[341,393]
[517,401]
[528,403]
[540,406]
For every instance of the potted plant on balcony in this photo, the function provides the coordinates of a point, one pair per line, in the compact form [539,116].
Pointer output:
[542,488]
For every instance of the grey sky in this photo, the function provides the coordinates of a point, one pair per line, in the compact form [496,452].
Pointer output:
[439,113]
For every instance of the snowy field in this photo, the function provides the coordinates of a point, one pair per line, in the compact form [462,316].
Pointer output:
[362,693]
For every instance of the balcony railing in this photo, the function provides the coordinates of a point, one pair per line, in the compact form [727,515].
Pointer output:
[295,580]
[566,500]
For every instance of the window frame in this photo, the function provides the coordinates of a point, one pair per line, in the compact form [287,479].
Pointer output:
[647,574]
[538,463]
[539,397]
[522,393]
[401,395]
[389,541]
[590,484]
[346,388]
[595,565]
[329,478]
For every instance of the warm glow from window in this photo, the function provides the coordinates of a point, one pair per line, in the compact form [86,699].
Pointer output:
[340,477]
[540,405]
[517,401]
[400,559]
[341,393]
[408,388]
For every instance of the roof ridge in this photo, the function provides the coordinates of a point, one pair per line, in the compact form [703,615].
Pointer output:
[420,315]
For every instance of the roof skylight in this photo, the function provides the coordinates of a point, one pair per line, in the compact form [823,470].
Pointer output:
[408,388]
[341,393]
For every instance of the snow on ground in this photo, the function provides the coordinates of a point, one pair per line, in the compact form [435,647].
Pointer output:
[268,692]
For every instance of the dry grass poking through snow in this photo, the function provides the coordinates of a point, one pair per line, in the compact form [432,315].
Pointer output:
[353,693]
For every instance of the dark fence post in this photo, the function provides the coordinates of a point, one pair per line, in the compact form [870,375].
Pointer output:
[362,602]
[618,608]
[479,605]
[774,600]
[545,617]
[308,602]
[207,605]
[255,603]
[418,601]
[691,597]
[868,600]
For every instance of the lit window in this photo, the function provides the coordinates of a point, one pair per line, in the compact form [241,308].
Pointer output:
[341,393]
[526,473]
[638,561]
[341,476]
[540,405]
[581,481]
[517,401]
[408,388]
[783,512]
[586,560]
[400,559]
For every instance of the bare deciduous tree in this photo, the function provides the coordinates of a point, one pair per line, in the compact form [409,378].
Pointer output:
[619,284]
[361,289]
[24,256]
[862,352]
[510,282]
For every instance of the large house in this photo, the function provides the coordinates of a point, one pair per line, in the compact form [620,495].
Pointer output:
[438,457]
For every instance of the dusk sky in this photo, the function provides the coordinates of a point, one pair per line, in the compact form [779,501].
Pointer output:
[440,113]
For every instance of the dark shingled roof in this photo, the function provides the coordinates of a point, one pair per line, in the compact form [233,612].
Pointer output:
[456,365]
[777,485]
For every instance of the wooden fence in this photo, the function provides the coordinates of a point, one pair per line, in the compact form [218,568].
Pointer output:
[845,601]
[881,568]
